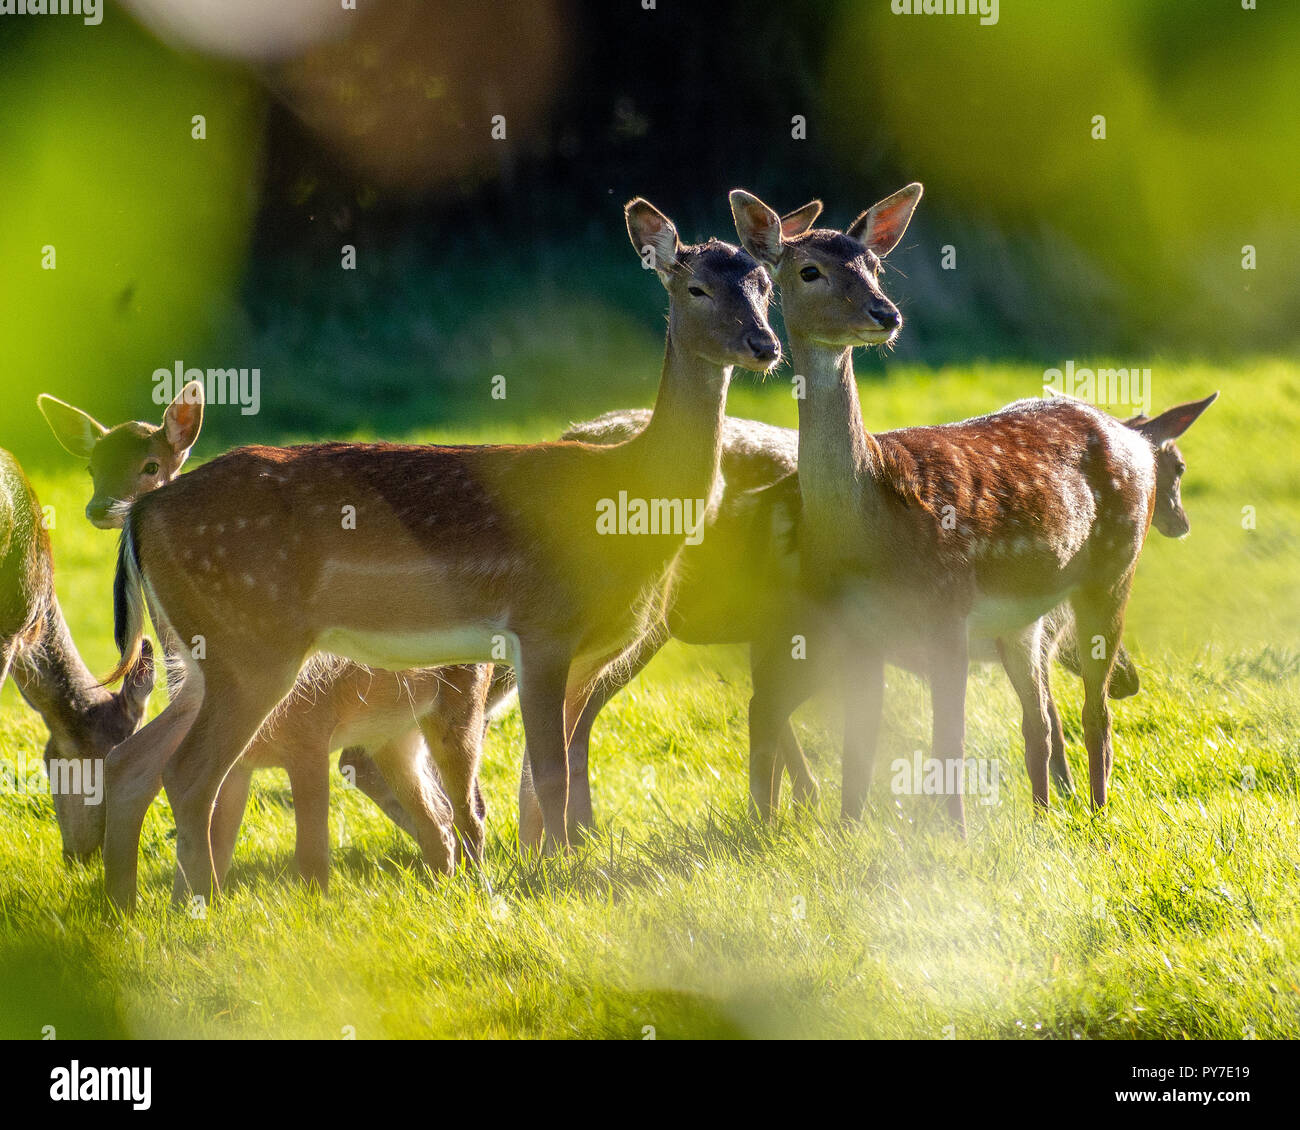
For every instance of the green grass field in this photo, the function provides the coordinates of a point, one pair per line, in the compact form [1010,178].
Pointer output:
[1173,914]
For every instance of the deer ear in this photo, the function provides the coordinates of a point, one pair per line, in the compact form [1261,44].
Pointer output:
[653,235]
[795,223]
[1171,423]
[74,429]
[882,225]
[758,226]
[184,417]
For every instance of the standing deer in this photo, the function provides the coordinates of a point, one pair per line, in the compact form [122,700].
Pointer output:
[446,554]
[85,720]
[333,703]
[921,538]
[751,541]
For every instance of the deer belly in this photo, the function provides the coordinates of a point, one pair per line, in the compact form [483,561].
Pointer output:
[994,616]
[397,651]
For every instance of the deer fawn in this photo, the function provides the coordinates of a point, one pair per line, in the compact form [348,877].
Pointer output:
[398,556]
[338,703]
[919,539]
[85,720]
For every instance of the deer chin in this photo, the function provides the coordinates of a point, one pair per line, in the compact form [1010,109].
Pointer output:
[113,517]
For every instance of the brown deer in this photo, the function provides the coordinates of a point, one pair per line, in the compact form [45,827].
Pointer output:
[917,540]
[85,720]
[443,555]
[751,541]
[332,703]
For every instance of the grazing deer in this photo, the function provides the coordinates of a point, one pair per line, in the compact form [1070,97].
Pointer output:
[85,720]
[398,556]
[337,703]
[920,539]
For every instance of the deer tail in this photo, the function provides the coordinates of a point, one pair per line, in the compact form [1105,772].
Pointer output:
[128,605]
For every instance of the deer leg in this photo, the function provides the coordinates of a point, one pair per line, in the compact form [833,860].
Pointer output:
[864,686]
[530,811]
[359,768]
[406,766]
[1020,656]
[233,710]
[578,696]
[580,808]
[543,676]
[781,685]
[454,732]
[1057,764]
[803,784]
[949,669]
[1100,619]
[228,816]
[133,773]
[309,780]
[1124,679]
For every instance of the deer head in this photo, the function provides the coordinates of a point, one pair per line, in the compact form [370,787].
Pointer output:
[718,294]
[131,459]
[84,738]
[1169,517]
[829,280]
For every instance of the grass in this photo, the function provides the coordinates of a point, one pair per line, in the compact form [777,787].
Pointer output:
[1172,914]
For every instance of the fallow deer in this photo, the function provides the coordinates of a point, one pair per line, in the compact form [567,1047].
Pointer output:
[85,721]
[917,540]
[398,556]
[336,703]
[750,537]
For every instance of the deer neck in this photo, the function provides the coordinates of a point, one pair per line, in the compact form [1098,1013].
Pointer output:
[55,681]
[682,443]
[839,460]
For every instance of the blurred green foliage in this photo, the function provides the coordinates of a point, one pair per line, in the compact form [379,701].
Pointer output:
[226,252]
[149,226]
[1202,133]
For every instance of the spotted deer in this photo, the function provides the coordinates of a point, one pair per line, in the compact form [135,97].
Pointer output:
[918,540]
[452,554]
[394,713]
[751,542]
[85,721]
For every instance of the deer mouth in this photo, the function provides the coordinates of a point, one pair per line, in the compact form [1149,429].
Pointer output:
[109,517]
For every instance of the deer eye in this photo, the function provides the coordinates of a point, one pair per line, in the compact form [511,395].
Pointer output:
[810,274]
[697,292]
[151,468]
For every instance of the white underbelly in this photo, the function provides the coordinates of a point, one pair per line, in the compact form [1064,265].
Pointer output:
[397,651]
[994,616]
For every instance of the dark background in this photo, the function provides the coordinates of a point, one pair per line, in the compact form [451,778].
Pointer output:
[479,256]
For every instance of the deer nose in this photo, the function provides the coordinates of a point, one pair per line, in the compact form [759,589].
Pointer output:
[887,317]
[764,348]
[96,510]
